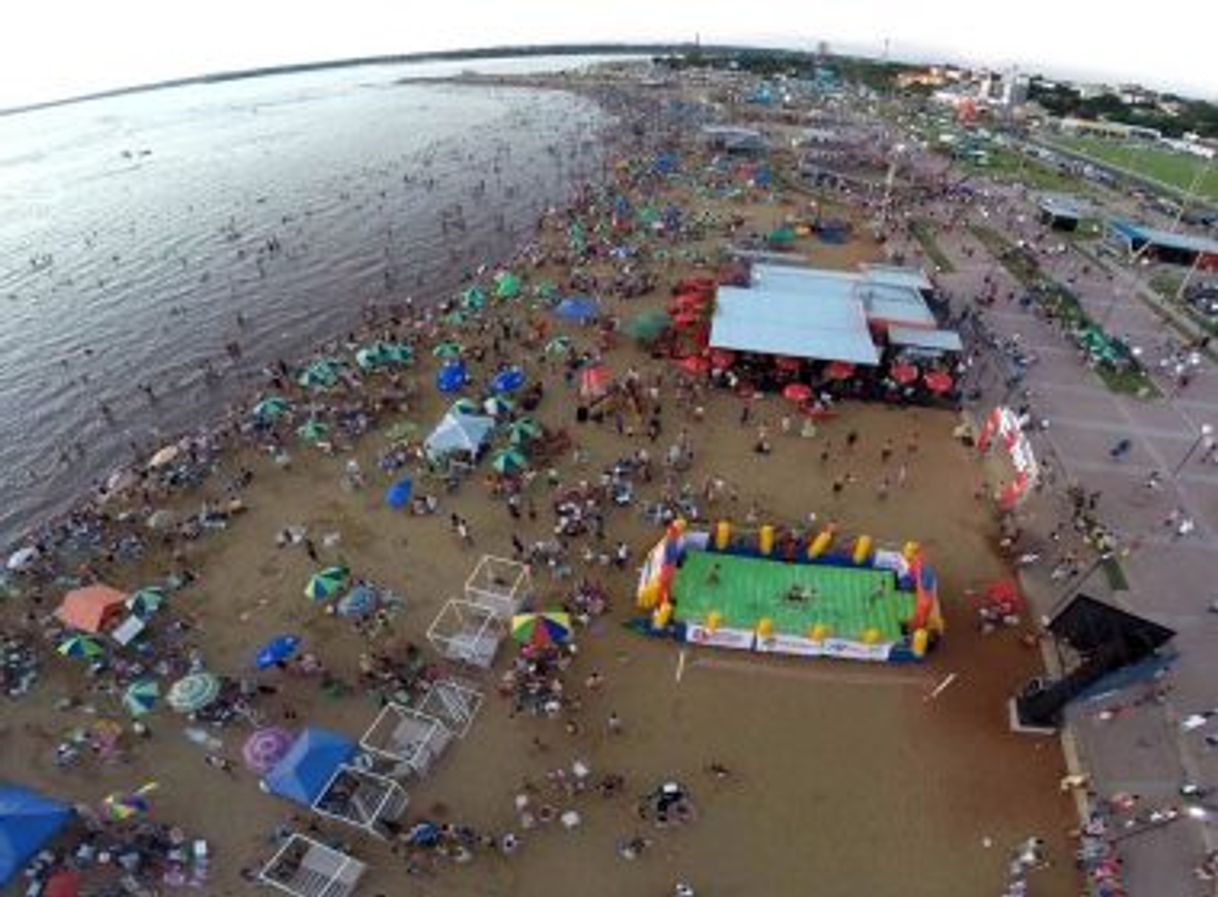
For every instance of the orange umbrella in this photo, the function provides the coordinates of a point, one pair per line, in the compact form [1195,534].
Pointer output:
[92,608]
[839,370]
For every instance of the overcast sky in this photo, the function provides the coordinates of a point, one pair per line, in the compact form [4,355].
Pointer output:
[56,48]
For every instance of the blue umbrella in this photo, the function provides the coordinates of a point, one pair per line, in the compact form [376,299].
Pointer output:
[359,602]
[578,309]
[276,651]
[451,377]
[508,380]
[398,495]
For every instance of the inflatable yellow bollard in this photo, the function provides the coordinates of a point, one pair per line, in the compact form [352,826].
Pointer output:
[723,535]
[765,540]
[862,550]
[714,620]
[871,636]
[765,627]
[649,595]
[921,641]
[819,632]
[662,615]
[910,551]
[820,544]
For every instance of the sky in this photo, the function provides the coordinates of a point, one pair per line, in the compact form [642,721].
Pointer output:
[51,49]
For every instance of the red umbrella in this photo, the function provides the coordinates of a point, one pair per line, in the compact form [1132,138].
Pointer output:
[785,363]
[691,301]
[64,883]
[903,373]
[938,381]
[839,370]
[594,381]
[686,319]
[722,358]
[797,392]
[694,365]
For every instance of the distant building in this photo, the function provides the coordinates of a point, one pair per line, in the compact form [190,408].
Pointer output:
[732,139]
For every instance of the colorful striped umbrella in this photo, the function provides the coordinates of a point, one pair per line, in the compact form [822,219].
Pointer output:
[265,748]
[81,646]
[141,696]
[541,628]
[146,601]
[498,406]
[194,692]
[327,583]
[509,462]
[121,806]
[524,431]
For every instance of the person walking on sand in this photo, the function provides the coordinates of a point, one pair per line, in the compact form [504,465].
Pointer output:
[311,551]
[613,725]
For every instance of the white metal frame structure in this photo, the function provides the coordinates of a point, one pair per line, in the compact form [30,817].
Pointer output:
[371,798]
[408,739]
[466,632]
[453,703]
[501,584]
[307,868]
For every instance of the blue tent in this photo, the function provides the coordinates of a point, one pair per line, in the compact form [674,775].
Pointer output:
[27,821]
[398,495]
[579,309]
[451,377]
[276,651]
[508,380]
[308,766]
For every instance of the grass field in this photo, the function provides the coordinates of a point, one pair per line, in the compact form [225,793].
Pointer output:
[849,600]
[924,233]
[1176,170]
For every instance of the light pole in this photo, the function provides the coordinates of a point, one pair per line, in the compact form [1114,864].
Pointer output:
[1206,432]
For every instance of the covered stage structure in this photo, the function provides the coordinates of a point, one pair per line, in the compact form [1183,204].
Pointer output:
[500,584]
[468,633]
[1164,246]
[304,867]
[405,741]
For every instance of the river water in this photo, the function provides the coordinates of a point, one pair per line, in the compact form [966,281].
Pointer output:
[136,229]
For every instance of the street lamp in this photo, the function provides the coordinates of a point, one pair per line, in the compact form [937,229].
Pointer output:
[1204,436]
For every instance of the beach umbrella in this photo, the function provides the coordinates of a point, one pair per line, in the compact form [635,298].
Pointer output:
[81,646]
[451,377]
[265,748]
[448,350]
[313,431]
[548,628]
[691,302]
[403,429]
[320,374]
[903,373]
[694,365]
[508,380]
[509,462]
[359,602]
[787,363]
[722,358]
[164,456]
[473,299]
[141,696]
[370,357]
[507,286]
[546,290]
[797,392]
[464,406]
[278,650]
[455,318]
[938,382]
[398,495]
[22,559]
[560,345]
[398,353]
[578,309]
[121,806]
[327,583]
[648,326]
[839,370]
[524,430]
[146,601]
[497,406]
[781,236]
[687,319]
[194,692]
[594,381]
[272,408]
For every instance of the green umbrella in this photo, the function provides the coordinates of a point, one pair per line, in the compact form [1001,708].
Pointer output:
[473,299]
[546,290]
[524,431]
[144,602]
[194,692]
[81,646]
[464,406]
[648,326]
[272,408]
[455,318]
[447,350]
[313,431]
[319,375]
[509,461]
[141,696]
[560,345]
[370,358]
[402,430]
[497,406]
[327,583]
[781,236]
[398,353]
[507,286]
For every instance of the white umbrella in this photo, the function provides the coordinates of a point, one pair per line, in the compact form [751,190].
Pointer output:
[22,558]
[167,455]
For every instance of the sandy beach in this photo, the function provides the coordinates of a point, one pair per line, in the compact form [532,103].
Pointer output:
[808,776]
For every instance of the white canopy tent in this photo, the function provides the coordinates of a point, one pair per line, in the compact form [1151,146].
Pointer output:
[499,584]
[457,434]
[405,740]
[307,868]
[467,633]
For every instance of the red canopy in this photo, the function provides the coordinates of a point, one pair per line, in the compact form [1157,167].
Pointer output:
[64,883]
[938,381]
[722,358]
[694,365]
[903,373]
[594,381]
[797,392]
[92,608]
[839,370]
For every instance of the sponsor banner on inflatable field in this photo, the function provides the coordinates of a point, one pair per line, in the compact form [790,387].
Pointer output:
[722,637]
[830,647]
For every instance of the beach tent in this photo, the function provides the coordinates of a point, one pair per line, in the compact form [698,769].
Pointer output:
[307,768]
[459,433]
[578,309]
[27,822]
[92,608]
[398,495]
